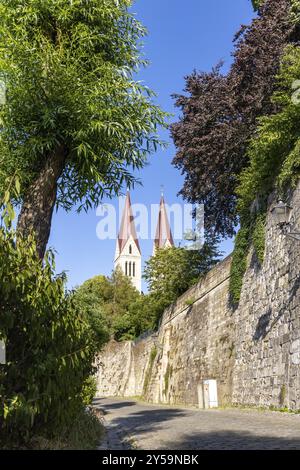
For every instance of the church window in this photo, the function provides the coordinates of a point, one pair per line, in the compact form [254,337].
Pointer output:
[133,269]
[130,249]
[129,268]
[126,268]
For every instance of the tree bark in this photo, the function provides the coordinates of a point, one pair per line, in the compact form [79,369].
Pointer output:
[37,209]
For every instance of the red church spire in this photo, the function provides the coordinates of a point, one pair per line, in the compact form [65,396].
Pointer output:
[163,236]
[127,228]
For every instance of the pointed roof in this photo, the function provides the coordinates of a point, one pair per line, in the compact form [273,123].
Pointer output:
[127,228]
[163,230]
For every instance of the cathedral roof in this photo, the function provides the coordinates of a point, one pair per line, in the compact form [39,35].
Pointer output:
[127,228]
[163,230]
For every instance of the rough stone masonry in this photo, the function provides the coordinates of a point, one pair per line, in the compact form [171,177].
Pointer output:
[253,351]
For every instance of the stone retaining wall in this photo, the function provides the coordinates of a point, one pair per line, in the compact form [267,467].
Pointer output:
[253,351]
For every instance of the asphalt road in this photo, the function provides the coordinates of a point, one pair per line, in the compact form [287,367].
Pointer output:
[154,427]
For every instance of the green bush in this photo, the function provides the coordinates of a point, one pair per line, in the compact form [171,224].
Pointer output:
[172,271]
[84,433]
[274,150]
[49,346]
[274,163]
[106,302]
[252,233]
[257,3]
[89,390]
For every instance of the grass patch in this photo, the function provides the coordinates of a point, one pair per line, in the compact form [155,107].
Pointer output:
[190,301]
[86,433]
[259,408]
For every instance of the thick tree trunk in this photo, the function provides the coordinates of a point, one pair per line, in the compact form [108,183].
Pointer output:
[37,209]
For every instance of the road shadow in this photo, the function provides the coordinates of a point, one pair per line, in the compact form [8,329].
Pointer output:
[98,402]
[147,420]
[144,425]
[232,440]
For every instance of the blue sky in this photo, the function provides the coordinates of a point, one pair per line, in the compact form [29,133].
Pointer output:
[183,36]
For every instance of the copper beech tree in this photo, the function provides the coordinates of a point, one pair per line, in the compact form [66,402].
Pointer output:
[75,123]
[220,112]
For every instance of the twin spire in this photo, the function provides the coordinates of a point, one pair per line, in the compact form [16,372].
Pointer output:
[128,253]
[163,235]
[127,228]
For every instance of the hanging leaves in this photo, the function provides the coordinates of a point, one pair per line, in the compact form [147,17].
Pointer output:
[220,112]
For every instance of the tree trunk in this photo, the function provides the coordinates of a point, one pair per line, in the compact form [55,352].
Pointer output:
[37,209]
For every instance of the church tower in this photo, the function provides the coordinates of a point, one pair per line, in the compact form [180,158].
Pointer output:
[163,235]
[128,253]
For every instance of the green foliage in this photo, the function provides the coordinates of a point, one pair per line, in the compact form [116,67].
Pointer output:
[274,151]
[140,317]
[112,306]
[239,264]
[49,345]
[190,301]
[258,237]
[84,433]
[167,378]
[220,112]
[153,354]
[274,155]
[90,298]
[171,271]
[68,68]
[295,11]
[252,233]
[89,390]
[257,3]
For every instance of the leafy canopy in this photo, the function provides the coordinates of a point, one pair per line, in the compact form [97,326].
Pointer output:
[257,3]
[106,301]
[90,298]
[220,112]
[68,68]
[274,164]
[140,318]
[171,271]
[274,153]
[50,347]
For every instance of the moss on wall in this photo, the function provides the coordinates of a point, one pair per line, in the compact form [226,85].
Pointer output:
[167,377]
[252,234]
[152,358]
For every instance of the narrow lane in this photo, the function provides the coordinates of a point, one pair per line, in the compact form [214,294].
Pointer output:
[152,427]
